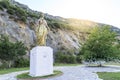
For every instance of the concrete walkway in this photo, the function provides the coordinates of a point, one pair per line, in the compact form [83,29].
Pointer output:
[11,76]
[71,73]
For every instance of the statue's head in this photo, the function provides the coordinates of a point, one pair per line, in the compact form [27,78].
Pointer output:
[42,15]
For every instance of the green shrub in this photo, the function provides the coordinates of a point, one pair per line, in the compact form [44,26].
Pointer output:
[71,59]
[14,10]
[23,18]
[11,51]
[3,65]
[59,57]
[79,58]
[1,8]
[32,15]
[21,62]
[56,24]
[64,58]
[11,11]
[20,12]
[5,3]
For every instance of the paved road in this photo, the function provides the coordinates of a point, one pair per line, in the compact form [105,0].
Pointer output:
[71,73]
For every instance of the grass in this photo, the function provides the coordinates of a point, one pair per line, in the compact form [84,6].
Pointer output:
[26,75]
[107,64]
[5,71]
[109,75]
[65,64]
[113,63]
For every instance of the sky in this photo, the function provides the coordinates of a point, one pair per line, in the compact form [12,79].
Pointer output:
[102,11]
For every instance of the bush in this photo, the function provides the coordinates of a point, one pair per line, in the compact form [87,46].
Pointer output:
[23,19]
[32,15]
[21,62]
[20,12]
[3,65]
[1,8]
[64,58]
[59,57]
[11,51]
[11,11]
[14,10]
[71,59]
[79,58]
[5,3]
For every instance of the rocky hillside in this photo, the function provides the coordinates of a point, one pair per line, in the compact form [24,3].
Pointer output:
[66,35]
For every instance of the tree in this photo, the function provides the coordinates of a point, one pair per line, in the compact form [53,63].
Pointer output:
[118,46]
[100,45]
[118,43]
[11,51]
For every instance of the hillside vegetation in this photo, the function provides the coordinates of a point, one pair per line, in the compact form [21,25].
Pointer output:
[66,35]
[23,14]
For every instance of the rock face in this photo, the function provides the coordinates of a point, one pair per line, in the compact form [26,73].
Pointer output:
[17,31]
[64,40]
[57,39]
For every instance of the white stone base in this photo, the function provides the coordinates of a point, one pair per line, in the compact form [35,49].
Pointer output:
[41,61]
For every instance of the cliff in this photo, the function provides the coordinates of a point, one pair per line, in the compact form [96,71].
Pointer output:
[66,35]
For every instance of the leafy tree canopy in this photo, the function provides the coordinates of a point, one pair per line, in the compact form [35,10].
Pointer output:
[100,45]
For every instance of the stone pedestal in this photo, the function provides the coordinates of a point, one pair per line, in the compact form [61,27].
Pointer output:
[41,61]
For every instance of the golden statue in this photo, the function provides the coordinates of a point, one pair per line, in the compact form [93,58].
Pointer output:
[41,31]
